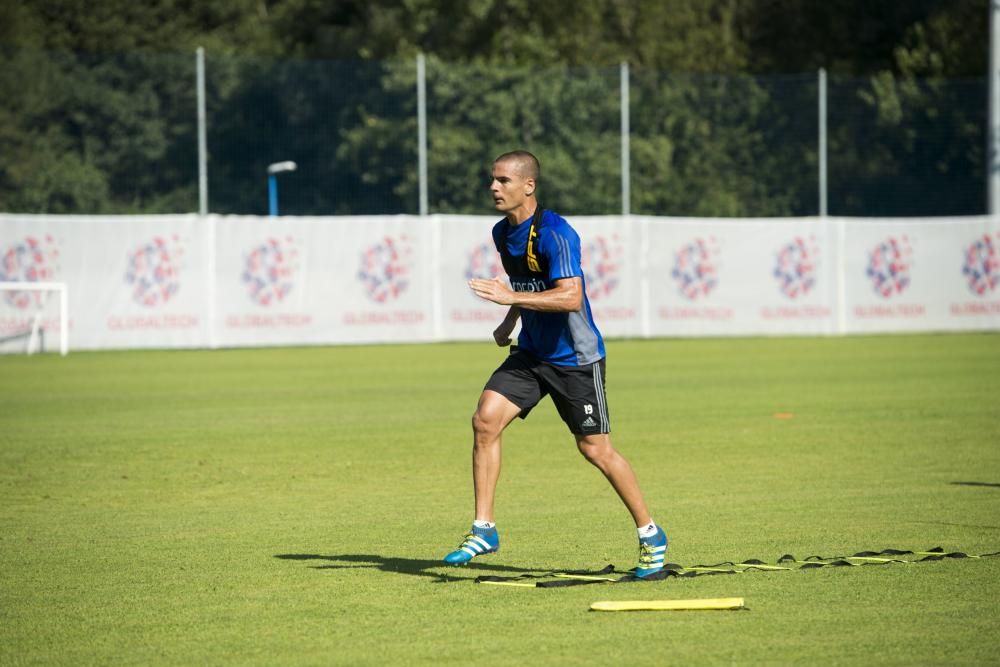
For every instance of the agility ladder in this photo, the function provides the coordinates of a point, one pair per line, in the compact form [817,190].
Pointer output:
[609,575]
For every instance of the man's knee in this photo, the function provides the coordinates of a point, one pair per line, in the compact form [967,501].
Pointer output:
[485,425]
[492,415]
[597,449]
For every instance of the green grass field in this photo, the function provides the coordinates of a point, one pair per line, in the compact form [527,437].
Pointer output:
[291,506]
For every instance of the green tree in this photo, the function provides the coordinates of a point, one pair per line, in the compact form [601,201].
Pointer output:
[97,102]
[497,97]
[721,146]
[850,38]
[95,119]
[913,143]
[682,35]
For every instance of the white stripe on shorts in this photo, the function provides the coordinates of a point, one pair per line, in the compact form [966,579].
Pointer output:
[602,406]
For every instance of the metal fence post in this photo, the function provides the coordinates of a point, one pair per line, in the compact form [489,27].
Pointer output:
[626,156]
[202,136]
[822,144]
[422,131]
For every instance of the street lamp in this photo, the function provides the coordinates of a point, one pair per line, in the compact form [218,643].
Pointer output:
[272,182]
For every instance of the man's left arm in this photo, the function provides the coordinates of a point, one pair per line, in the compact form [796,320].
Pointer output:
[566,296]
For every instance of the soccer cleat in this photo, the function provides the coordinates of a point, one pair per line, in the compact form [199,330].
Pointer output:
[478,542]
[651,552]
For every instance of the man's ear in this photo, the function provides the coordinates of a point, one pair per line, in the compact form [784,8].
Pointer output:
[529,186]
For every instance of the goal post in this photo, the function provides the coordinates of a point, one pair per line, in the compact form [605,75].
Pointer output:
[33,334]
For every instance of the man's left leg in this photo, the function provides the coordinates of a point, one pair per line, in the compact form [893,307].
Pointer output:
[598,450]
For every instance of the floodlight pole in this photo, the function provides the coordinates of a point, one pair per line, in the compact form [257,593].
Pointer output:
[272,183]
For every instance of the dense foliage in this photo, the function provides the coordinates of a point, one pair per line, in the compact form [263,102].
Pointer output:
[97,104]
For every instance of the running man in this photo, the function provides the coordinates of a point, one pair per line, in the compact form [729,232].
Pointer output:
[559,353]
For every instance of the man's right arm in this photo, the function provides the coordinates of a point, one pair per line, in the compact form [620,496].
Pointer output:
[502,333]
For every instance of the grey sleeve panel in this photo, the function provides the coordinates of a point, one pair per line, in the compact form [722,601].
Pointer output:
[585,340]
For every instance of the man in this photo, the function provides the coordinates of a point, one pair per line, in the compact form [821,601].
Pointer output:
[560,352]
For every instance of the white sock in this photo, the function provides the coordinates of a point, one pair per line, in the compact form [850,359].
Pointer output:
[648,530]
[479,523]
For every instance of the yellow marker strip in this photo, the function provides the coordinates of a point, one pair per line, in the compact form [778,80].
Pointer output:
[583,577]
[507,583]
[667,605]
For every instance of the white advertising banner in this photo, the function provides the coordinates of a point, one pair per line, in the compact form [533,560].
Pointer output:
[921,275]
[270,285]
[289,280]
[226,281]
[976,304]
[794,262]
[29,252]
[134,281]
[729,277]
[383,279]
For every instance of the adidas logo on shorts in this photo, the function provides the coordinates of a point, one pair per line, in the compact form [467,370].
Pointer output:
[589,423]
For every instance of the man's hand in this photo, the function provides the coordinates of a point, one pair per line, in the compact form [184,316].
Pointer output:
[492,289]
[502,333]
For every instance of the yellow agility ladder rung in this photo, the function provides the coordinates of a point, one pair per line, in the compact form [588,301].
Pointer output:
[507,583]
[667,605]
[583,577]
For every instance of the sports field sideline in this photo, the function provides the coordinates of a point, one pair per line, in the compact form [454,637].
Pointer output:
[291,506]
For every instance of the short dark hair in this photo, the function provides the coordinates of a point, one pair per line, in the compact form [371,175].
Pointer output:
[528,164]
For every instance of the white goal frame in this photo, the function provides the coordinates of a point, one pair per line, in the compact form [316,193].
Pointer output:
[63,290]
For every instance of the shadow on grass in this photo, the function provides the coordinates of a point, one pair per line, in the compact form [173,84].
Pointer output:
[408,566]
[992,484]
[956,525]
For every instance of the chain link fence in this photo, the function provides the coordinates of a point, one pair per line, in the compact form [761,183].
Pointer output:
[87,133]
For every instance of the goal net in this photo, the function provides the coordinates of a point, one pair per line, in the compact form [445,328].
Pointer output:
[29,312]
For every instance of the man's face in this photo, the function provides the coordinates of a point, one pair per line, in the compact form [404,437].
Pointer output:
[509,187]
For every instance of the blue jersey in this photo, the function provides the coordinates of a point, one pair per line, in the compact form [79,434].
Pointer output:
[562,339]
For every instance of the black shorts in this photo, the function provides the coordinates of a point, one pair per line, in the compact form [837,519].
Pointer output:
[577,391]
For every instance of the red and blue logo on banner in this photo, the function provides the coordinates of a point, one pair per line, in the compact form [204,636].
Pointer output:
[695,269]
[795,267]
[385,269]
[601,262]
[154,271]
[30,260]
[484,262]
[981,267]
[889,265]
[269,270]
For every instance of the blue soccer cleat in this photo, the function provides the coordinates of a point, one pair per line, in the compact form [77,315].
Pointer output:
[478,542]
[651,552]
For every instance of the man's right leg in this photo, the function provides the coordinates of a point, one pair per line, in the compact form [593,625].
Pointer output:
[492,416]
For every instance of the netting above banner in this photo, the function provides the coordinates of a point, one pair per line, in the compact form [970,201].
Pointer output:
[121,137]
